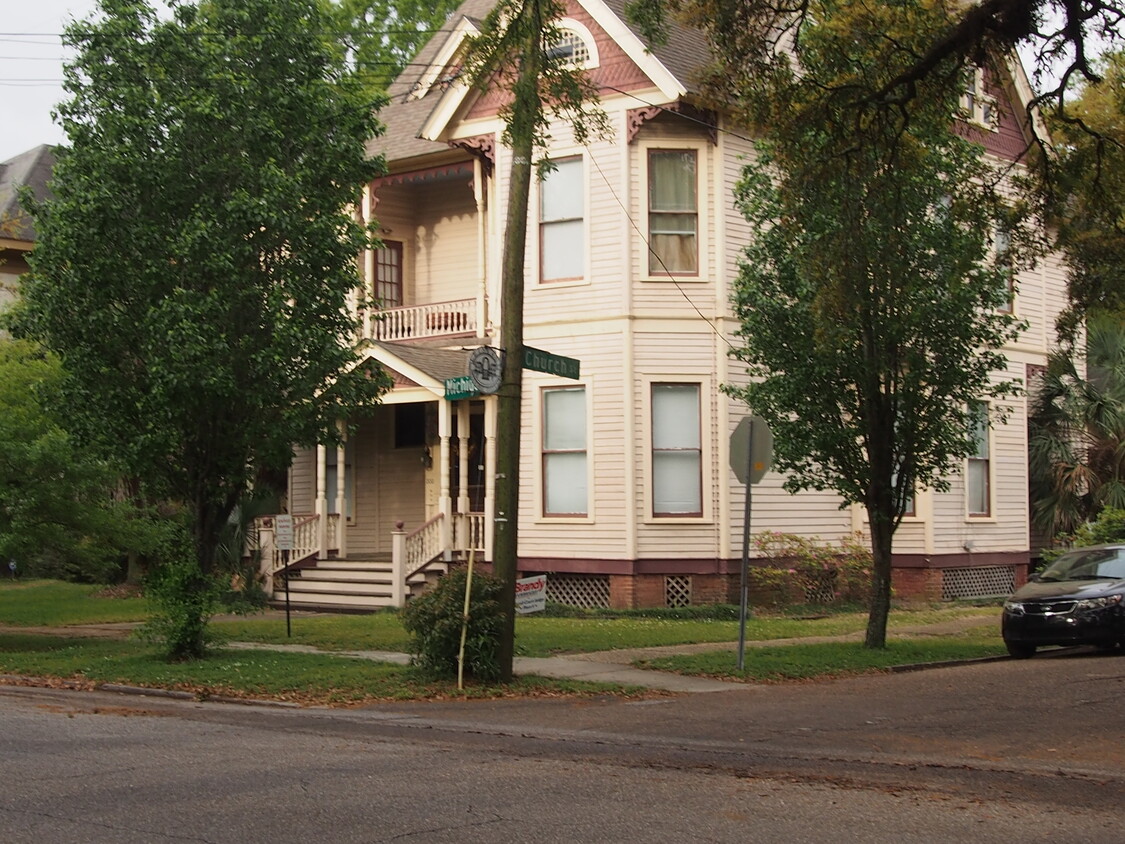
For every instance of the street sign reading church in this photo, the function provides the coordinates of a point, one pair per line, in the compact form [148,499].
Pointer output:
[541,361]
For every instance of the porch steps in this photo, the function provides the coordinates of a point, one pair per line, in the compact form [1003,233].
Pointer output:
[348,584]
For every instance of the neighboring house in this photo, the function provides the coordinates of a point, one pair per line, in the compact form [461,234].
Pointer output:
[626,495]
[17,234]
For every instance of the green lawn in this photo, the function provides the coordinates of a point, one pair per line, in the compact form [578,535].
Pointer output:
[307,679]
[831,659]
[326,679]
[52,603]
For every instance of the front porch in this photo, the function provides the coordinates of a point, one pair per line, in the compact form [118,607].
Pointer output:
[317,575]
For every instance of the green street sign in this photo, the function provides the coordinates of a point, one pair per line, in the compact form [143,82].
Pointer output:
[541,361]
[461,387]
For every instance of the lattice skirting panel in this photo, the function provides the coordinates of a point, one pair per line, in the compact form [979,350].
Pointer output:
[981,582]
[590,591]
[677,590]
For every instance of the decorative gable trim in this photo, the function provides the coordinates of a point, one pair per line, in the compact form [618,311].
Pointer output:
[637,117]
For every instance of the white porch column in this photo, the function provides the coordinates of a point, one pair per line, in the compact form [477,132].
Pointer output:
[489,473]
[463,414]
[341,492]
[482,246]
[398,565]
[321,501]
[444,499]
[368,292]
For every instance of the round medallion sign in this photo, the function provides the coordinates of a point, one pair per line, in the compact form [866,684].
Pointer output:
[485,369]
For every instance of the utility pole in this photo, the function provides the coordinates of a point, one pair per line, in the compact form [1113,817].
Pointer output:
[525,115]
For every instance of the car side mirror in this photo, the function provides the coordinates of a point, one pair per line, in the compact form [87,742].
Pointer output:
[1033,578]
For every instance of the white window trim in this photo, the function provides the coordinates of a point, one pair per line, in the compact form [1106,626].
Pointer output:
[975,116]
[702,209]
[538,428]
[990,516]
[706,457]
[534,246]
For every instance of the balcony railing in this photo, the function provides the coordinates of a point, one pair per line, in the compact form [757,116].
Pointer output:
[439,319]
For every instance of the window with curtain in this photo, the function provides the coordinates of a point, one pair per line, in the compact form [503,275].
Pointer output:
[673,212]
[388,275]
[562,251]
[677,451]
[977,467]
[564,452]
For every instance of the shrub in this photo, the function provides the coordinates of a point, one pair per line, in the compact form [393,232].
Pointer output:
[1107,528]
[183,600]
[433,621]
[804,571]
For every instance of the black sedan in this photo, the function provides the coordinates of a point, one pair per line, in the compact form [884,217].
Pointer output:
[1079,599]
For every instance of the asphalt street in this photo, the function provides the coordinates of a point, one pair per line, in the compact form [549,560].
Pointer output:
[1004,751]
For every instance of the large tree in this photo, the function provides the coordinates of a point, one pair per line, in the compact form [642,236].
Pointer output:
[194,265]
[381,36]
[59,515]
[1087,193]
[871,303]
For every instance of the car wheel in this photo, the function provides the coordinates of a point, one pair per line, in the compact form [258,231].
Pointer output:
[1019,650]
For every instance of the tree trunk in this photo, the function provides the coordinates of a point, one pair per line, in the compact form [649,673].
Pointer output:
[505,545]
[882,537]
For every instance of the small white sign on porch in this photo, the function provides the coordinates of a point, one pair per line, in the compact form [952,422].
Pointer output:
[283,532]
[531,594]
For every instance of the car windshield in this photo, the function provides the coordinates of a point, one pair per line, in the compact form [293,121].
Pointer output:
[1087,564]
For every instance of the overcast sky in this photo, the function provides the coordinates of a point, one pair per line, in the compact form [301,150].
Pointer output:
[31,58]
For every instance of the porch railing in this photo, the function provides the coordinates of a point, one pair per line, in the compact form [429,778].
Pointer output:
[468,532]
[438,319]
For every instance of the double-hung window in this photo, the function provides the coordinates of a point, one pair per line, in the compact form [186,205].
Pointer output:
[565,485]
[562,250]
[677,451]
[978,468]
[673,212]
[388,275]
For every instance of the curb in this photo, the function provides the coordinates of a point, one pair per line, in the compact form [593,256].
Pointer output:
[143,691]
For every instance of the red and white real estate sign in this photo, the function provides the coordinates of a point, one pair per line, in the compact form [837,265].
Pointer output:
[531,594]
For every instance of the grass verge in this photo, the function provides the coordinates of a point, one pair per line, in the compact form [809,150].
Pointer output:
[52,603]
[830,659]
[305,679]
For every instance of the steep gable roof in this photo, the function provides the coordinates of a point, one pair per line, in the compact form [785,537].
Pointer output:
[422,101]
[32,169]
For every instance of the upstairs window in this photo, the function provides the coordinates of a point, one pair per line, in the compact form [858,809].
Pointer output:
[575,45]
[977,106]
[673,212]
[1002,247]
[978,466]
[562,250]
[388,275]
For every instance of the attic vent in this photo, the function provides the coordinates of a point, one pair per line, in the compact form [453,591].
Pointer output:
[571,46]
[575,45]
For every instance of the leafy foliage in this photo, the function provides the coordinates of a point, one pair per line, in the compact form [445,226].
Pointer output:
[1089,193]
[871,307]
[1076,432]
[434,622]
[380,37]
[183,599]
[193,266]
[59,516]
[804,571]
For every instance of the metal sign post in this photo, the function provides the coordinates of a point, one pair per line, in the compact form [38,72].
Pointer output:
[751,451]
[283,538]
